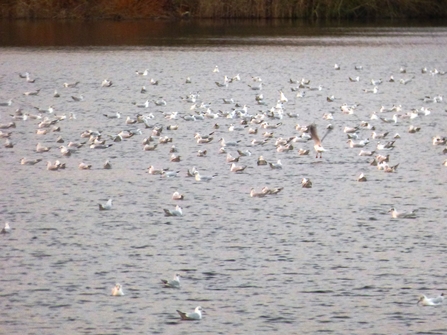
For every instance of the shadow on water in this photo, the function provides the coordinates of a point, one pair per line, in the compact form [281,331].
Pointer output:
[50,33]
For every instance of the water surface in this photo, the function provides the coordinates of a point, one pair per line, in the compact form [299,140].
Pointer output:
[325,260]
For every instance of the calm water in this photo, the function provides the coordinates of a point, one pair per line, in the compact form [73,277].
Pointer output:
[325,260]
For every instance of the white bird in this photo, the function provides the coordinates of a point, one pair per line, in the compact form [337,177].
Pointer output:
[199,177]
[196,315]
[52,167]
[361,177]
[395,214]
[80,98]
[237,168]
[84,166]
[359,144]
[174,282]
[6,229]
[41,148]
[282,97]
[277,165]
[106,206]
[317,146]
[306,183]
[25,161]
[66,85]
[431,301]
[106,83]
[117,290]
[6,104]
[255,194]
[177,196]
[174,212]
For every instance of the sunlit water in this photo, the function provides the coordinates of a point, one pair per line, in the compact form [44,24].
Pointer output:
[324,260]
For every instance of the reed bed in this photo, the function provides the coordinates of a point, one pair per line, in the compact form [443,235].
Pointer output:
[223,9]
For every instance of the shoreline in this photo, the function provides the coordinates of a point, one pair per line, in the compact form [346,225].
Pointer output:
[173,10]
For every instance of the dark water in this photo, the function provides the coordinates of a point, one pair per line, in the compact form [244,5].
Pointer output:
[324,260]
[47,33]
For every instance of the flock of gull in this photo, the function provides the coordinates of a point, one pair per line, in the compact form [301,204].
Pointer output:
[153,125]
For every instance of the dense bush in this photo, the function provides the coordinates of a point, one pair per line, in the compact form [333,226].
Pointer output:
[257,9]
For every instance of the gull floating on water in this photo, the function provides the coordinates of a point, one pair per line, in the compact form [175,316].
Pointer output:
[237,168]
[173,212]
[25,161]
[174,282]
[117,290]
[177,196]
[395,214]
[255,194]
[268,190]
[424,301]
[277,165]
[306,183]
[106,206]
[6,229]
[196,315]
[107,165]
[361,177]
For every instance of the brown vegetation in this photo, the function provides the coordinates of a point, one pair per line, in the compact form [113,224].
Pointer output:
[254,9]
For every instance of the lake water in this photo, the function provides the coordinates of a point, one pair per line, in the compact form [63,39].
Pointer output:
[324,260]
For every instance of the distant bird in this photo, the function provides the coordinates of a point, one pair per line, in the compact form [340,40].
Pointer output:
[398,215]
[277,165]
[237,168]
[106,206]
[177,196]
[424,301]
[6,229]
[117,290]
[84,166]
[71,85]
[306,183]
[317,146]
[361,177]
[174,212]
[25,161]
[268,190]
[196,315]
[106,83]
[261,161]
[255,194]
[174,282]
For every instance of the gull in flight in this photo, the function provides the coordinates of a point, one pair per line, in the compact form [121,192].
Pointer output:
[424,301]
[106,206]
[398,215]
[317,146]
[196,315]
[173,212]
[174,282]
[117,290]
